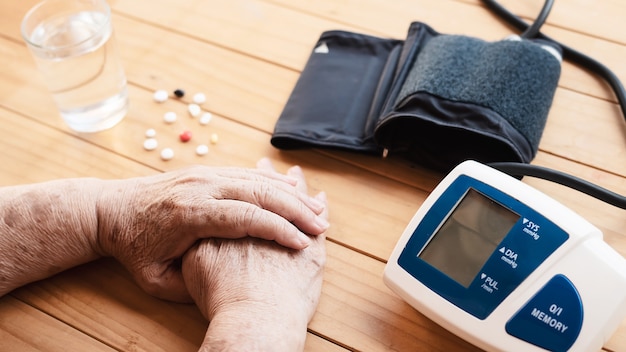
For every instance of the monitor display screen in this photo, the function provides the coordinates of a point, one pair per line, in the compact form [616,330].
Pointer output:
[467,238]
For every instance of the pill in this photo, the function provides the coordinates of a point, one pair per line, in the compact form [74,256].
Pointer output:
[206,118]
[150,144]
[179,93]
[202,149]
[167,154]
[199,98]
[150,133]
[160,96]
[169,117]
[185,136]
[194,109]
[214,138]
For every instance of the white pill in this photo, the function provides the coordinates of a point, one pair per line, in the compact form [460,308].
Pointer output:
[199,98]
[150,133]
[160,96]
[194,110]
[170,117]
[202,149]
[167,154]
[214,138]
[206,118]
[150,144]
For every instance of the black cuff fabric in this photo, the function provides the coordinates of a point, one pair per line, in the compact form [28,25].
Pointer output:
[334,101]
[436,99]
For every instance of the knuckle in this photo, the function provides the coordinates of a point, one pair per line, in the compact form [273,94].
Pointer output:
[151,283]
[264,194]
[249,217]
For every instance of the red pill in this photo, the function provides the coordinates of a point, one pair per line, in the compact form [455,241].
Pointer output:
[185,136]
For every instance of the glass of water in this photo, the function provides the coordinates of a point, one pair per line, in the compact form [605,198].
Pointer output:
[73,45]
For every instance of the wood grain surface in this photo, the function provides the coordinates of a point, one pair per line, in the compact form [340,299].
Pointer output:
[246,56]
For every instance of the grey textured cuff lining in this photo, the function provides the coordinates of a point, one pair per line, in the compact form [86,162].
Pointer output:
[516,79]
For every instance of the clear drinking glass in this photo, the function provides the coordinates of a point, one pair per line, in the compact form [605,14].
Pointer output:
[73,45]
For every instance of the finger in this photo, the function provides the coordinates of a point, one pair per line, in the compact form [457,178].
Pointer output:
[295,206]
[294,172]
[297,173]
[237,219]
[265,164]
[278,197]
[322,198]
[260,174]
[265,175]
[284,204]
[164,281]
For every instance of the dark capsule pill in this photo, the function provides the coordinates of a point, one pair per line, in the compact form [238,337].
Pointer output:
[179,93]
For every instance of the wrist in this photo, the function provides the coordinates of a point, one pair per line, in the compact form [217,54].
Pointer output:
[53,227]
[248,327]
[114,210]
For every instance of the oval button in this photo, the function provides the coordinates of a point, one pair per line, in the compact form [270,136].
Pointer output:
[552,318]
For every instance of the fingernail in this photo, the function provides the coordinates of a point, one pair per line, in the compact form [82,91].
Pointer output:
[291,180]
[317,203]
[322,223]
[304,239]
[264,163]
[321,197]
[295,169]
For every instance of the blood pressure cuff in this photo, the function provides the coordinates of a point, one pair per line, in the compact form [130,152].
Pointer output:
[436,99]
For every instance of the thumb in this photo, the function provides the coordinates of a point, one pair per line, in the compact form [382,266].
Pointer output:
[164,281]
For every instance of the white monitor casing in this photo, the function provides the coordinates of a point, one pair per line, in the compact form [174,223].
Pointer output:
[596,270]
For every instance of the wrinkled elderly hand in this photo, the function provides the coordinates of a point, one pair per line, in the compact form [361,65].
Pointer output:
[148,223]
[258,296]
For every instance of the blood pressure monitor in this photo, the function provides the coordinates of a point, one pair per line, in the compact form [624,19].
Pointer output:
[507,268]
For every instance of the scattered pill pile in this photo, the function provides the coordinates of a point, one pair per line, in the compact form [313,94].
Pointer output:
[170,117]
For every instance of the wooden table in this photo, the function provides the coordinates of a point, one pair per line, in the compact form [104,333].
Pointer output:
[246,56]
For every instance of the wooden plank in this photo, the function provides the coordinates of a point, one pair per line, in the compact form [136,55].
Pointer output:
[31,152]
[573,78]
[324,172]
[471,18]
[355,309]
[579,127]
[104,301]
[572,121]
[394,205]
[284,31]
[389,18]
[24,328]
[127,308]
[617,342]
[115,311]
[240,145]
[243,146]
[74,311]
[316,343]
[70,157]
[601,19]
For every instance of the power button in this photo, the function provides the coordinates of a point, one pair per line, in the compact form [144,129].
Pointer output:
[552,318]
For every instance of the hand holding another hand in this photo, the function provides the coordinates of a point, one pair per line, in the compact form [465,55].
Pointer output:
[258,295]
[148,223]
